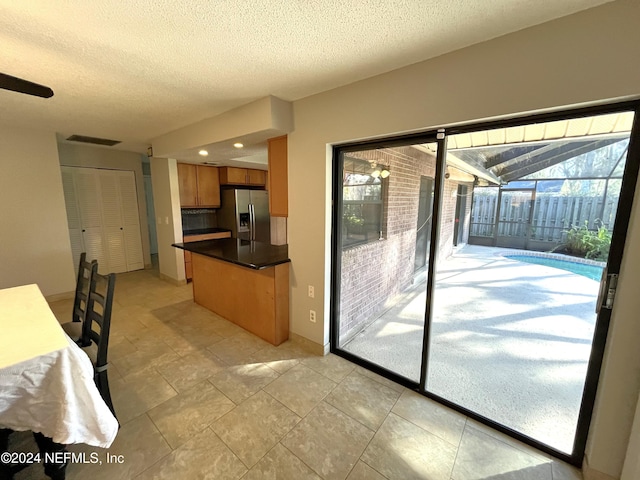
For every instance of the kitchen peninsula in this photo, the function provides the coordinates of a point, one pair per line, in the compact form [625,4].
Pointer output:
[245,282]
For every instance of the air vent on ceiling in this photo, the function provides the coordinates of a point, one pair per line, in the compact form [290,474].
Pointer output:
[94,140]
[211,163]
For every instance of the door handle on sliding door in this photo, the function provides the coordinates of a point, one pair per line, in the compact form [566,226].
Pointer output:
[607,292]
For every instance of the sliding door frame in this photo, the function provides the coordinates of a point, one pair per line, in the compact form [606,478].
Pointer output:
[336,250]
[620,230]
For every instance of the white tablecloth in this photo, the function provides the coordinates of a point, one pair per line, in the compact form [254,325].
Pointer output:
[54,393]
[28,327]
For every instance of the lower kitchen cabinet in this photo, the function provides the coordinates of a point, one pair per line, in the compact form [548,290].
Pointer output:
[188,269]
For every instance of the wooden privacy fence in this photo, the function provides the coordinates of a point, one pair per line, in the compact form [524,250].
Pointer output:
[552,216]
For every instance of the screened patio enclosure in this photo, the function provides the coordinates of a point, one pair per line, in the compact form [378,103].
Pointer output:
[534,191]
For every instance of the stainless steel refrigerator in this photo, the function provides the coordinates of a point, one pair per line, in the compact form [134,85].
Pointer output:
[246,213]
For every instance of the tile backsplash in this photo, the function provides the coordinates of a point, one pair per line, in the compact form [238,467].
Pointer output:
[197,218]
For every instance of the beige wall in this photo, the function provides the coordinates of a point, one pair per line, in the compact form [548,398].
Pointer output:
[87,156]
[631,470]
[34,239]
[166,202]
[585,58]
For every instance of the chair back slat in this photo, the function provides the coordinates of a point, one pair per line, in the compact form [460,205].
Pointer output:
[83,281]
[97,325]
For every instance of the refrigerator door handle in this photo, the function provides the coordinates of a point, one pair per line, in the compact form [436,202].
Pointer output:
[252,222]
[253,216]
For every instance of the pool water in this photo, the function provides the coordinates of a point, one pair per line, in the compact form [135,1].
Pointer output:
[594,272]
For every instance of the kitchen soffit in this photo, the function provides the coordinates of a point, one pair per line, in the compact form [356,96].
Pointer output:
[252,125]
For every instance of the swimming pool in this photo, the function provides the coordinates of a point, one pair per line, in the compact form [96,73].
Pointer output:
[594,272]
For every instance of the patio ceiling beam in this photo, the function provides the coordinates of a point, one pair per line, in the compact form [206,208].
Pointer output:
[540,155]
[473,167]
[507,157]
[558,155]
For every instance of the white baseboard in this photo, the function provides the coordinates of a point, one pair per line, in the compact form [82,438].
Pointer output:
[589,473]
[309,345]
[60,296]
[173,281]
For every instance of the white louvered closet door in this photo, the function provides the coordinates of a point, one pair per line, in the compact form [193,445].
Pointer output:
[73,214]
[102,213]
[88,200]
[113,227]
[130,220]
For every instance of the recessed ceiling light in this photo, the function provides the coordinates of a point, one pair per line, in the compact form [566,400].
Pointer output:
[238,145]
[204,153]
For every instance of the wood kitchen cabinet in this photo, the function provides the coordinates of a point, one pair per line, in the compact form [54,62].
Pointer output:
[233,176]
[208,186]
[254,299]
[242,176]
[187,181]
[256,177]
[278,179]
[199,185]
[188,270]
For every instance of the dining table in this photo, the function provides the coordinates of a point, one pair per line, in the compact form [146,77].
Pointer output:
[46,380]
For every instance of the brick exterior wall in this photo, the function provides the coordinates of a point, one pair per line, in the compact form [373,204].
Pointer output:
[373,273]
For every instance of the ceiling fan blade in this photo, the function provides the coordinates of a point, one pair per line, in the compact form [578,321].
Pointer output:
[23,86]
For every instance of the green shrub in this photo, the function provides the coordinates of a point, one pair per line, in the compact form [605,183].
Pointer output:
[586,243]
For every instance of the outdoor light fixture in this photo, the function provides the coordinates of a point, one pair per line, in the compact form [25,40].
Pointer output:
[381,172]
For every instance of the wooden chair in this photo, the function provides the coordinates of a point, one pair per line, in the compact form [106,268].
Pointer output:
[96,330]
[46,446]
[80,302]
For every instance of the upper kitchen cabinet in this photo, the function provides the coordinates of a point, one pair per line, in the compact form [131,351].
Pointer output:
[208,186]
[188,181]
[278,180]
[242,176]
[256,177]
[199,185]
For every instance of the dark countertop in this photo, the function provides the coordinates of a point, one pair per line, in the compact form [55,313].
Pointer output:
[245,253]
[202,231]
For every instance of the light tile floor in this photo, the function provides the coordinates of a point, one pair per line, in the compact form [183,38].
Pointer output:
[200,398]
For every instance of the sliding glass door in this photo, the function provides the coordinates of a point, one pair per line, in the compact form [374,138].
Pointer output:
[383,236]
[504,326]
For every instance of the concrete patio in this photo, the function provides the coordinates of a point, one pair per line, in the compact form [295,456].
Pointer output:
[510,340]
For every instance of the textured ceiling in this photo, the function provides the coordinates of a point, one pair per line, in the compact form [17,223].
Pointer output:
[136,70]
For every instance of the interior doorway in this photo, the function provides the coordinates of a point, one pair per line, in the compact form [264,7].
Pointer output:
[423,224]
[461,215]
